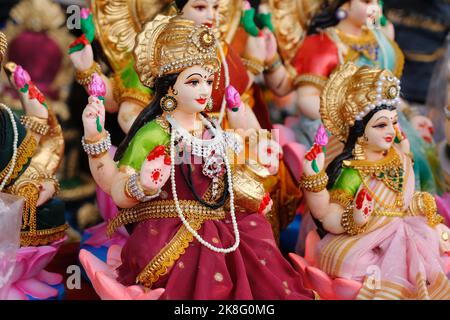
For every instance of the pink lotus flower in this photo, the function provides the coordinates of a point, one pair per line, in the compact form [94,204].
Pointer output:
[21,77]
[233,98]
[85,12]
[97,87]
[103,278]
[321,138]
[29,277]
[315,279]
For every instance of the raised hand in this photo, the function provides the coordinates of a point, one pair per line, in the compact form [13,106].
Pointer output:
[271,46]
[424,126]
[82,60]
[93,116]
[362,207]
[315,157]
[33,101]
[46,192]
[155,170]
[256,47]
[269,154]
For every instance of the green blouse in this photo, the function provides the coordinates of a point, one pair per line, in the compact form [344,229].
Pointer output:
[145,140]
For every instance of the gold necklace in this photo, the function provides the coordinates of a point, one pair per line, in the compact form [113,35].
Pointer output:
[388,170]
[366,44]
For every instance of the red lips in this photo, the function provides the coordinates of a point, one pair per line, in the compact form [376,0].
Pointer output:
[388,139]
[208,24]
[201,101]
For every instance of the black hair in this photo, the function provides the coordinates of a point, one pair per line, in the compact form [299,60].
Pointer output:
[149,113]
[326,17]
[180,4]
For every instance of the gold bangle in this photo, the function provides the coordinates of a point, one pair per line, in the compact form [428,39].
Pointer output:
[314,183]
[35,124]
[253,65]
[348,223]
[273,64]
[84,77]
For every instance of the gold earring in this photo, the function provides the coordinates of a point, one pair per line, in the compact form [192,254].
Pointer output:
[358,150]
[168,103]
[209,105]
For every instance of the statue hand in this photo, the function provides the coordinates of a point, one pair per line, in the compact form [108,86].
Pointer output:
[363,207]
[156,170]
[32,99]
[270,45]
[82,60]
[270,154]
[256,47]
[314,160]
[94,109]
[47,190]
[424,126]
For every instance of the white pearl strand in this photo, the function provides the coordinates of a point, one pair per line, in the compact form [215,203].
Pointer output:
[180,212]
[15,143]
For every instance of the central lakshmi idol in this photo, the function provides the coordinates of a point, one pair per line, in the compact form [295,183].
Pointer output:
[195,215]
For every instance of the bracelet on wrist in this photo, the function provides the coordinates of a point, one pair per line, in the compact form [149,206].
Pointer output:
[134,190]
[35,124]
[98,148]
[84,77]
[314,183]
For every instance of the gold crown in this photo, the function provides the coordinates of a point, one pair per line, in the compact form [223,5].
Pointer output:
[352,92]
[169,45]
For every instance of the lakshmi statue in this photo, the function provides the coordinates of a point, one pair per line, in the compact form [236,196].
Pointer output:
[384,240]
[339,31]
[31,152]
[42,24]
[203,234]
[128,96]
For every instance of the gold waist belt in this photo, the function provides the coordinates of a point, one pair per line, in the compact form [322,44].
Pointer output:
[192,210]
[384,213]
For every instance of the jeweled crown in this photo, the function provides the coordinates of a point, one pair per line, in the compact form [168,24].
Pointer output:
[170,45]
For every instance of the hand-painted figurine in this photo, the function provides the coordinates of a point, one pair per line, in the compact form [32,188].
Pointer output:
[196,217]
[385,239]
[126,94]
[348,30]
[31,152]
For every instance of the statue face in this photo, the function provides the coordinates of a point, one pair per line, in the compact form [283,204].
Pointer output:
[202,12]
[360,11]
[380,131]
[193,89]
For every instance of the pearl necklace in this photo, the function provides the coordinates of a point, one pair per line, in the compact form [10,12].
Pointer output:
[176,130]
[15,143]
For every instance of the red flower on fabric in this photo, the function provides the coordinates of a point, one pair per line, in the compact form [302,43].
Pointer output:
[156,152]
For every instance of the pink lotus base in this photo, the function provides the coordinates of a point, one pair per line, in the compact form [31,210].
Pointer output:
[29,277]
[317,280]
[103,277]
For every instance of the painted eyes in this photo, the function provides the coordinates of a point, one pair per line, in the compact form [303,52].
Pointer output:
[210,82]
[200,8]
[193,83]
